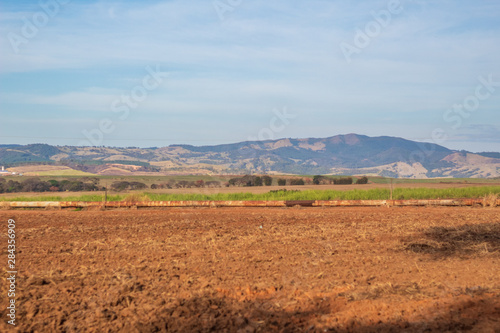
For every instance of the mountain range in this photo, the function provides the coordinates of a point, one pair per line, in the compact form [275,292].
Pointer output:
[350,154]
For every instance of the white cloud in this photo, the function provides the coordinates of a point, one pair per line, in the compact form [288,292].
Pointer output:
[264,55]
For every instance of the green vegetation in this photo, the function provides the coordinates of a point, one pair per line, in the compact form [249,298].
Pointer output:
[52,185]
[383,180]
[362,180]
[372,194]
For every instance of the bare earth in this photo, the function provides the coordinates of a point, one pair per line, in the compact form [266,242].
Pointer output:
[256,270]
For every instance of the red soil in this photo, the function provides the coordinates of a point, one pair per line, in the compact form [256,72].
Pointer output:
[256,270]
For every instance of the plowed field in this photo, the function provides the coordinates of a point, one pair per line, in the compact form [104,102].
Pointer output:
[255,270]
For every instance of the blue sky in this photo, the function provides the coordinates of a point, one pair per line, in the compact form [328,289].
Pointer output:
[228,68]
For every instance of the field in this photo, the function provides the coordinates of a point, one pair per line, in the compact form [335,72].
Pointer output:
[269,193]
[257,270]
[48,170]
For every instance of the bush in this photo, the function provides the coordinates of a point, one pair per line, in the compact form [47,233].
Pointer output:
[137,186]
[297,181]
[120,186]
[182,184]
[343,181]
[246,180]
[136,197]
[35,185]
[268,181]
[362,180]
[54,183]
[321,180]
[284,190]
[281,182]
[13,186]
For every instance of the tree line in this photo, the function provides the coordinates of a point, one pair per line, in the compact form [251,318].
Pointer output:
[252,180]
[92,184]
[37,185]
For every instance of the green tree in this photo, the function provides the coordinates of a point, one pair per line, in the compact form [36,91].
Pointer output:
[362,180]
[297,181]
[268,181]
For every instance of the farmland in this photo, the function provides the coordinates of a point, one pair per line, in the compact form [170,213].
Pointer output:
[57,188]
[271,193]
[258,270]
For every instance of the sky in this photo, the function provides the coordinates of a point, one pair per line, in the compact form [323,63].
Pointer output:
[203,72]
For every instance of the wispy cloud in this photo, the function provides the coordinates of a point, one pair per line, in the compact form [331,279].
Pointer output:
[265,54]
[479,133]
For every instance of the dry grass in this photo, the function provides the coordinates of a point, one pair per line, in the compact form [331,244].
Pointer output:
[409,290]
[136,197]
[480,239]
[490,200]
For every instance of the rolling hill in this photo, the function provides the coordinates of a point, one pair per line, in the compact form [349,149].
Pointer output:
[349,154]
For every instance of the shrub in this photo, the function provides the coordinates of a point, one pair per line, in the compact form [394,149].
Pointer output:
[321,180]
[343,181]
[267,180]
[297,181]
[246,180]
[137,186]
[258,181]
[35,185]
[120,186]
[13,186]
[182,184]
[54,182]
[136,197]
[281,182]
[362,180]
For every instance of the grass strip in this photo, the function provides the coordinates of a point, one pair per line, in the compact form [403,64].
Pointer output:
[372,194]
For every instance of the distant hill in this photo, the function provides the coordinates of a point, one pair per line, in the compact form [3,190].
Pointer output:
[349,154]
[490,154]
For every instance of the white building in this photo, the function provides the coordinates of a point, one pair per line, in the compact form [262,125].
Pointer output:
[4,172]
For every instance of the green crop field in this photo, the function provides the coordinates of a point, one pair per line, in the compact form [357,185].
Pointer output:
[371,194]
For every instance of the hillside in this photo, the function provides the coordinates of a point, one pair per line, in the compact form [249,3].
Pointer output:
[342,154]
